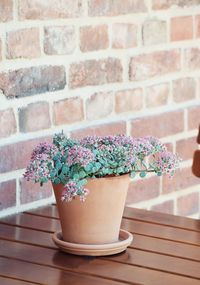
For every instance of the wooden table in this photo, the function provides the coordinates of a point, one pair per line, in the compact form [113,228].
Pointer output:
[165,251]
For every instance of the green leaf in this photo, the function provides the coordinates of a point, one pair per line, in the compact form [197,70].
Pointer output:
[58,165]
[82,174]
[63,159]
[88,167]
[102,161]
[57,180]
[53,173]
[44,179]
[62,177]
[159,173]
[94,169]
[79,192]
[76,176]
[133,174]
[95,151]
[143,174]
[110,171]
[56,157]
[120,169]
[98,165]
[65,169]
[105,171]
[82,182]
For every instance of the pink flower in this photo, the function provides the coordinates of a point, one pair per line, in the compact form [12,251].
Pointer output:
[71,190]
[167,162]
[41,162]
[79,155]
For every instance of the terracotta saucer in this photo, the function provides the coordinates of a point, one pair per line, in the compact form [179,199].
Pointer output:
[125,239]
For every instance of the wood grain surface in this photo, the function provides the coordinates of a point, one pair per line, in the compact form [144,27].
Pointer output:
[165,250]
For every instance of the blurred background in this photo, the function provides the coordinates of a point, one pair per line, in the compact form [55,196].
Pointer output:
[100,67]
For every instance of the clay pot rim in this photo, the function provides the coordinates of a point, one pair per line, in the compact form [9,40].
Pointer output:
[125,238]
[109,177]
[102,178]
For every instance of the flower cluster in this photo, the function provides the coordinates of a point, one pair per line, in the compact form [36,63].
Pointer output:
[79,155]
[41,163]
[166,162]
[71,190]
[90,141]
[72,161]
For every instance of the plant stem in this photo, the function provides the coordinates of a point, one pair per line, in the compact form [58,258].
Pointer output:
[149,170]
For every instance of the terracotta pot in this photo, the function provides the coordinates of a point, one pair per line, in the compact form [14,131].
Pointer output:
[98,219]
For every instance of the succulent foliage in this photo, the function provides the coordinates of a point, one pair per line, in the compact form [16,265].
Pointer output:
[72,161]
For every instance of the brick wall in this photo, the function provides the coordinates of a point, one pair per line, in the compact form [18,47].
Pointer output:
[100,67]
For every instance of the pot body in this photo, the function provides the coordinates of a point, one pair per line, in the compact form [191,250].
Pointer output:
[98,219]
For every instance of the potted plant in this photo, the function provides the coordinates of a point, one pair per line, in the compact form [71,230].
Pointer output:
[90,178]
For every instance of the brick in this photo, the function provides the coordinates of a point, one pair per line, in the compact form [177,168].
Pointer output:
[6,10]
[95,72]
[188,204]
[184,89]
[117,7]
[124,35]
[128,100]
[162,125]
[16,156]
[7,194]
[193,117]
[68,111]
[186,147]
[23,43]
[197,26]
[157,95]
[7,123]
[158,63]
[182,179]
[181,28]
[169,146]
[154,32]
[164,207]
[39,110]
[33,80]
[94,38]
[51,9]
[59,40]
[99,105]
[30,191]
[192,58]
[198,82]
[143,189]
[101,130]
[165,4]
